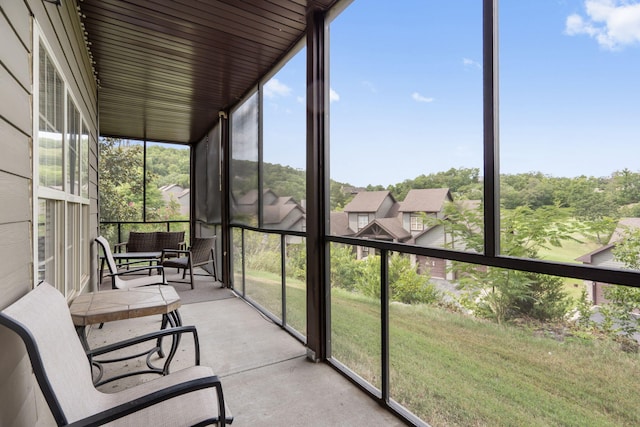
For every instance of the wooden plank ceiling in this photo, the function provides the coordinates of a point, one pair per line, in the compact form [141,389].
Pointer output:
[166,67]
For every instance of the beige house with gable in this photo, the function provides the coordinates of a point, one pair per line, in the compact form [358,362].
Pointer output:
[376,215]
[420,204]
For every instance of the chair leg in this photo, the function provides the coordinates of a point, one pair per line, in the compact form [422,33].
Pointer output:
[191,274]
[213,264]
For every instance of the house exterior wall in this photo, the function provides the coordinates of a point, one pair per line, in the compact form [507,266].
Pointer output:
[435,237]
[436,267]
[185,204]
[605,259]
[353,219]
[385,207]
[595,290]
[405,218]
[21,403]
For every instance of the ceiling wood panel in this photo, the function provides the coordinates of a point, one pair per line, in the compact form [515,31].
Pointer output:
[166,67]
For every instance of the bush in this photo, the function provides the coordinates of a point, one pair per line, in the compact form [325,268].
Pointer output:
[407,285]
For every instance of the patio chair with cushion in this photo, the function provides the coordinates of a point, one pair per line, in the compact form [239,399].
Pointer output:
[190,396]
[200,253]
[116,280]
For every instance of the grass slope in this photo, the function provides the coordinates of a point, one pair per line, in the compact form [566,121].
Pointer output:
[453,370]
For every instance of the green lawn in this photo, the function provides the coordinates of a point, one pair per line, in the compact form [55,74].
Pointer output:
[266,289]
[453,370]
[450,369]
[568,253]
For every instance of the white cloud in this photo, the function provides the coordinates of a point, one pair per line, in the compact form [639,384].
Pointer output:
[333,95]
[470,63]
[275,88]
[614,24]
[420,98]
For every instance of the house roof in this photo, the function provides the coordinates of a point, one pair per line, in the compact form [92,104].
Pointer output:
[623,225]
[368,201]
[339,222]
[181,191]
[425,200]
[275,214]
[166,68]
[251,196]
[389,227]
[588,258]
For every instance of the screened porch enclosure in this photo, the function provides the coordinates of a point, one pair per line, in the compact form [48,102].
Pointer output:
[449,298]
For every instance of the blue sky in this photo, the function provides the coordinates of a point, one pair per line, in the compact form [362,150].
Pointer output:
[406,90]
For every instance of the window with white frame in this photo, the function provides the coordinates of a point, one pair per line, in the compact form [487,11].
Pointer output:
[363,220]
[416,222]
[61,177]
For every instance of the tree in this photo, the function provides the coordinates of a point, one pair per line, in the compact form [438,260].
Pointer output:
[626,187]
[406,285]
[502,294]
[121,183]
[339,197]
[363,276]
[624,302]
[344,268]
[462,182]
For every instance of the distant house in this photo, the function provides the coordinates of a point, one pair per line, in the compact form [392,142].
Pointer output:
[421,204]
[436,236]
[603,257]
[179,194]
[281,213]
[284,213]
[388,229]
[377,215]
[339,223]
[369,205]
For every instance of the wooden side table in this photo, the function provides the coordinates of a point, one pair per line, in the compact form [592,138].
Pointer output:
[119,304]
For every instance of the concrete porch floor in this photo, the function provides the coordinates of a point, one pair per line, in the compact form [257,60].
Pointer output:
[265,374]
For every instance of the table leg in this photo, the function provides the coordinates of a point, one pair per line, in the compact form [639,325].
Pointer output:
[81,331]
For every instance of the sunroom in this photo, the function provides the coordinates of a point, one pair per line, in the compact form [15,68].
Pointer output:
[281,112]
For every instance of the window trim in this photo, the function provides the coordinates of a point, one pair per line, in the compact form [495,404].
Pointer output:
[415,222]
[68,201]
[361,216]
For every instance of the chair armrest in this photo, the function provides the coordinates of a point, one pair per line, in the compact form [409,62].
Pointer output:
[178,330]
[159,397]
[174,252]
[118,246]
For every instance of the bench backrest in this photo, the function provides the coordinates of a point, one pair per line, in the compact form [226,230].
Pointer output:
[154,241]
